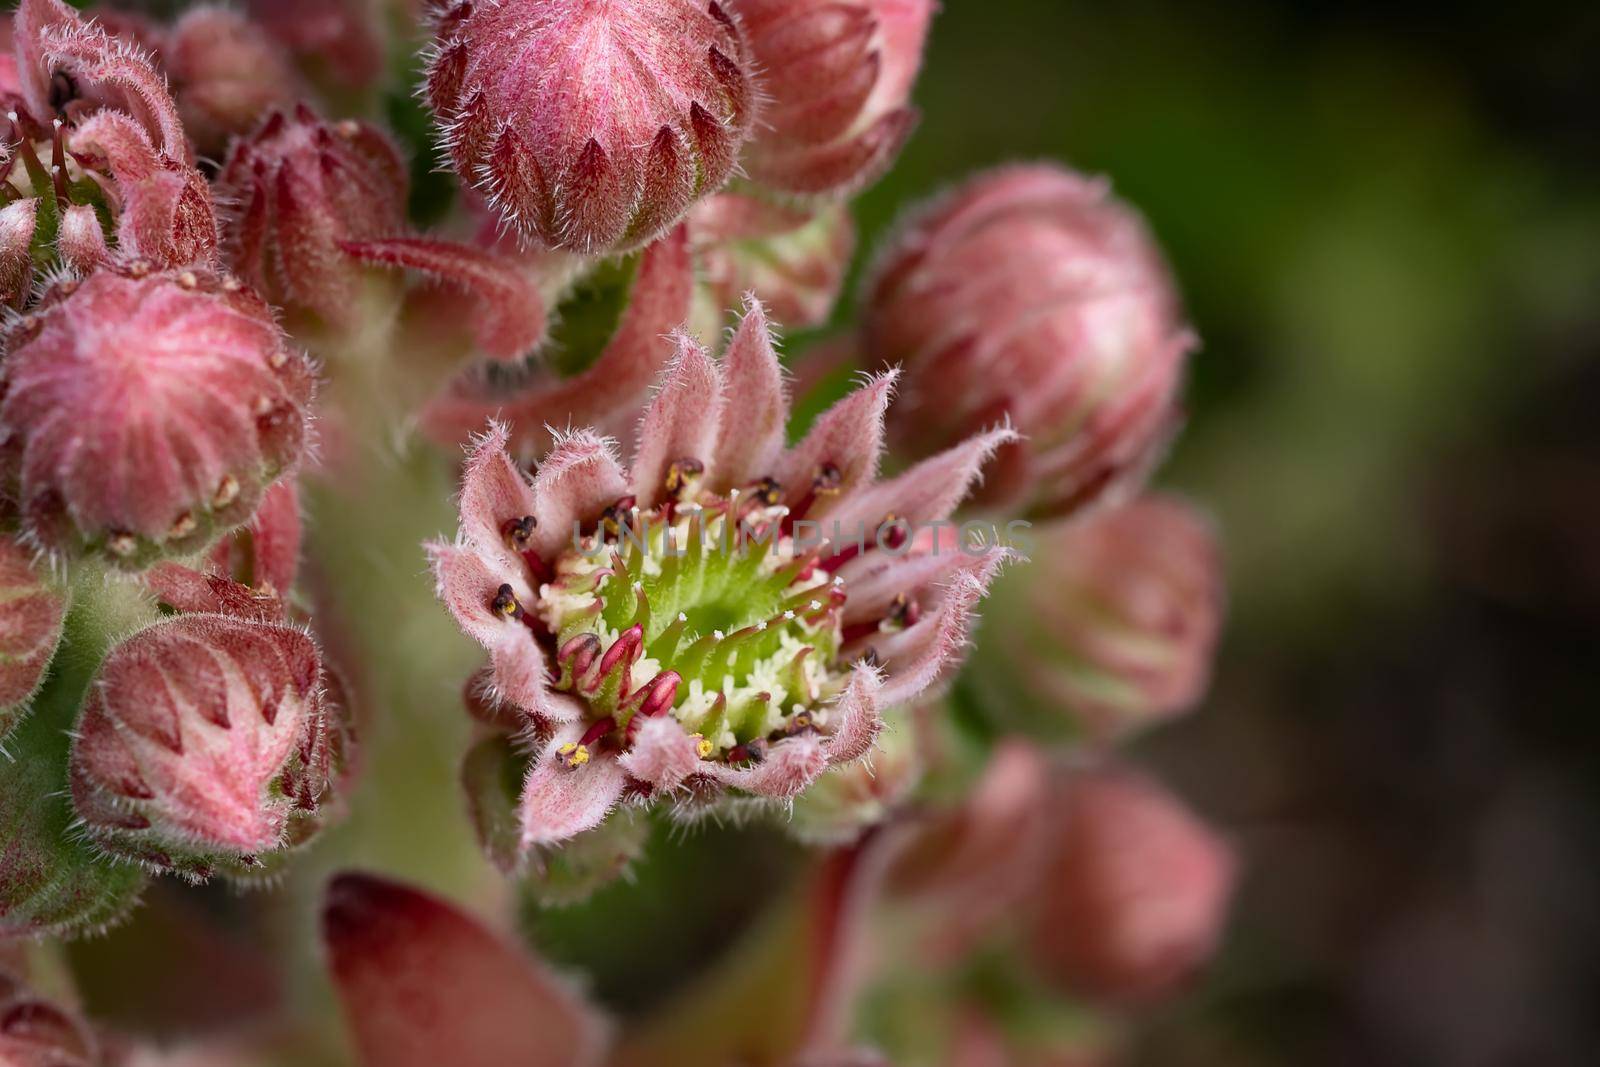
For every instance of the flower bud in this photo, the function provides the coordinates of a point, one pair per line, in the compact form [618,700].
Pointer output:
[203,744]
[144,412]
[38,1033]
[1135,891]
[793,260]
[1110,629]
[591,127]
[339,40]
[422,983]
[18,220]
[321,204]
[226,74]
[299,186]
[1031,294]
[838,76]
[31,610]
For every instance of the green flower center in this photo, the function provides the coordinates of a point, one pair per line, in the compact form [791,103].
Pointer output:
[702,611]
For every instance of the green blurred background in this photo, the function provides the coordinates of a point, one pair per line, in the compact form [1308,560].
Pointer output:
[1386,221]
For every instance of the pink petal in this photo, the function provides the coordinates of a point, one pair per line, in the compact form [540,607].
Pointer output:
[578,480]
[876,579]
[919,656]
[494,492]
[789,767]
[468,583]
[756,415]
[928,492]
[558,801]
[856,716]
[661,754]
[680,422]
[849,437]
[423,984]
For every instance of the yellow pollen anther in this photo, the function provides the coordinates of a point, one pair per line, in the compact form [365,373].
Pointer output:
[573,754]
[702,747]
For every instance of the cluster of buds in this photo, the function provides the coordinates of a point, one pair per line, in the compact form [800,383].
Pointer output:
[1104,880]
[1030,294]
[1113,628]
[668,630]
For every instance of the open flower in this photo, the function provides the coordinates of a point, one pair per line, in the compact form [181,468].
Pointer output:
[591,126]
[729,614]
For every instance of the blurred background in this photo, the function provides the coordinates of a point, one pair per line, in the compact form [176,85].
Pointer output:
[1386,219]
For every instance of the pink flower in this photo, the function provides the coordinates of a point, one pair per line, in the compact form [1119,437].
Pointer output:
[1112,628]
[31,610]
[591,126]
[1030,293]
[1135,890]
[729,613]
[146,411]
[793,260]
[319,204]
[205,743]
[226,74]
[838,76]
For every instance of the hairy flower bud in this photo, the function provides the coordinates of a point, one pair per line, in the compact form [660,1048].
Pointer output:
[319,205]
[226,74]
[1110,629]
[1134,892]
[591,126]
[793,260]
[35,1032]
[1030,293]
[31,610]
[203,744]
[18,221]
[144,412]
[838,76]
[299,186]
